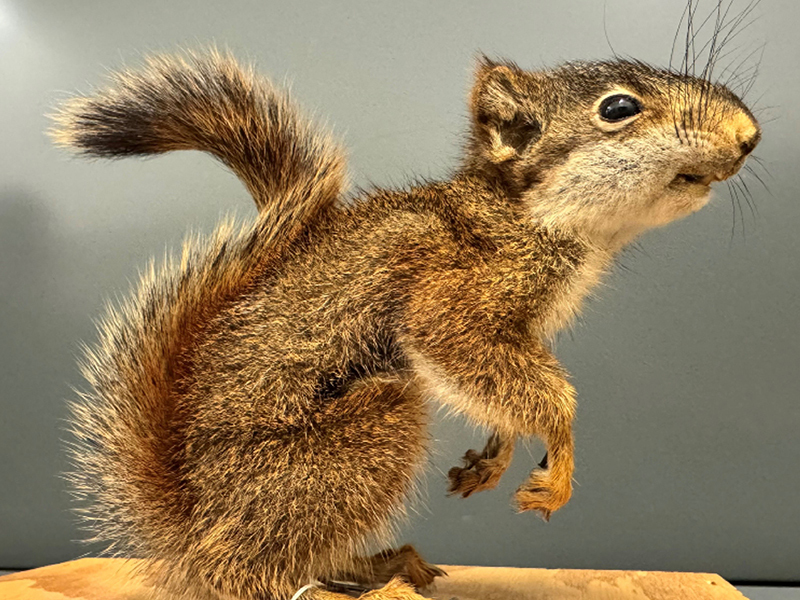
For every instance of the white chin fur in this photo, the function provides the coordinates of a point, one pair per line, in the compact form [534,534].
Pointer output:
[682,200]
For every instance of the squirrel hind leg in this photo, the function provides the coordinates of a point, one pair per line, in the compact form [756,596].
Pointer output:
[396,589]
[279,507]
[373,571]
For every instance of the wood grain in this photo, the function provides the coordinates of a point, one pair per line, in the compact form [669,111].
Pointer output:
[115,579]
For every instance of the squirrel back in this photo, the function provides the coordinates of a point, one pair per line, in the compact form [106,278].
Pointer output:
[122,427]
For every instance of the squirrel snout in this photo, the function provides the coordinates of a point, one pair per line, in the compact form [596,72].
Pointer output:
[740,135]
[748,141]
[746,132]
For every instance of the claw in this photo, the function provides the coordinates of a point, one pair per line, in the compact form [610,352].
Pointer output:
[545,514]
[543,463]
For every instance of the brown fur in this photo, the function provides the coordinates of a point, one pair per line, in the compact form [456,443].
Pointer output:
[258,411]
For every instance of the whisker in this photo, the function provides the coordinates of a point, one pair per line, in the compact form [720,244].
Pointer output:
[737,75]
[714,36]
[739,205]
[758,178]
[724,29]
[747,195]
[691,44]
[709,68]
[704,86]
[605,31]
[731,56]
[638,248]
[697,33]
[754,105]
[733,34]
[733,27]
[761,163]
[731,193]
[736,60]
[767,107]
[677,33]
[756,72]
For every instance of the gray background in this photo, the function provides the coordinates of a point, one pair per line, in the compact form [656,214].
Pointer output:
[686,363]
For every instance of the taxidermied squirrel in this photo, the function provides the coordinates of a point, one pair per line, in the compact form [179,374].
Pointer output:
[258,408]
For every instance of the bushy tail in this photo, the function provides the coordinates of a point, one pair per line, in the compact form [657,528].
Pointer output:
[127,453]
[210,103]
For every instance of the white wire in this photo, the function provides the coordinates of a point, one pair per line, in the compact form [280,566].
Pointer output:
[303,590]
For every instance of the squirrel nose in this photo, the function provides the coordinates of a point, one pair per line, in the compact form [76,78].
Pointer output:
[748,134]
[748,144]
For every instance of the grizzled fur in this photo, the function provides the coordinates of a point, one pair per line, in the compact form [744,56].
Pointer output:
[216,106]
[258,408]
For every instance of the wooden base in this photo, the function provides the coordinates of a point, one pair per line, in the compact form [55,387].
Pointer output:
[110,579]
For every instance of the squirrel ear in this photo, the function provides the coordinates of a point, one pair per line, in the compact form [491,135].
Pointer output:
[501,109]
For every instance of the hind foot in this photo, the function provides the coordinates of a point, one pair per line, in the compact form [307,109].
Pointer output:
[395,589]
[379,569]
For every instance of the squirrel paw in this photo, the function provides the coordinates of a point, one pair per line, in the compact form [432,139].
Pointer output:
[542,494]
[480,472]
[408,564]
[396,589]
[404,563]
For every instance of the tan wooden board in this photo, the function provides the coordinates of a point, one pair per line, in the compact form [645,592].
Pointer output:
[505,583]
[112,579]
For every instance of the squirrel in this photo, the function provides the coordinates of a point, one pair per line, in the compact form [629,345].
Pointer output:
[258,407]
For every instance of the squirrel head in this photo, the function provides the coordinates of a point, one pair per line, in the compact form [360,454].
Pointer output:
[606,149]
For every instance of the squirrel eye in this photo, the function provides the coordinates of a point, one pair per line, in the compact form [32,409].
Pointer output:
[619,107]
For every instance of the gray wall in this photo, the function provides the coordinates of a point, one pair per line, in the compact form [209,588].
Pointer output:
[686,363]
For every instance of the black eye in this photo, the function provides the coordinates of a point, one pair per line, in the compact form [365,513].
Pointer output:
[619,107]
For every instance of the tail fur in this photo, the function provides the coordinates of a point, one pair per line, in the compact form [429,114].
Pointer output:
[210,103]
[127,453]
